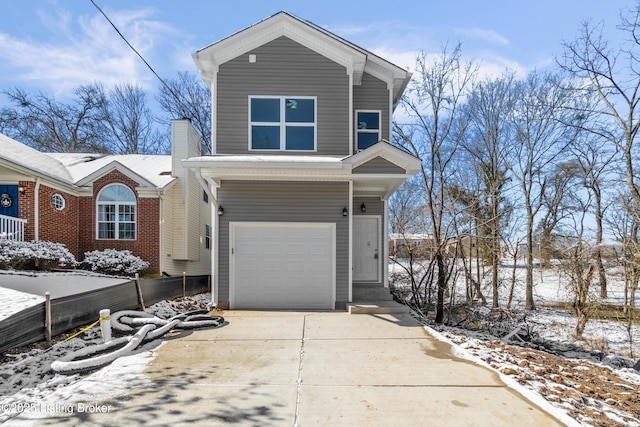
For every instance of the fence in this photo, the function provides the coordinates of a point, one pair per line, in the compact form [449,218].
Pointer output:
[12,228]
[29,325]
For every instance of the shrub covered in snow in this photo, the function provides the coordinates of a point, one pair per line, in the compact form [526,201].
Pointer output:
[34,255]
[111,261]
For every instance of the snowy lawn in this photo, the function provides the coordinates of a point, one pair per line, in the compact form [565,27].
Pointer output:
[589,380]
[28,384]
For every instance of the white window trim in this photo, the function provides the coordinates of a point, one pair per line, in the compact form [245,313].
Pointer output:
[359,131]
[117,222]
[283,124]
[62,199]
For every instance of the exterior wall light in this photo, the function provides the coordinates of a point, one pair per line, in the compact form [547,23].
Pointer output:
[363,208]
[345,212]
[21,189]
[220,210]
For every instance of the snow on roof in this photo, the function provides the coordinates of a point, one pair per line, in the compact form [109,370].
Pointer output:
[154,168]
[28,158]
[71,168]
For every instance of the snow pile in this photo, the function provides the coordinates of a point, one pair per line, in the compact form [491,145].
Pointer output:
[26,378]
[34,255]
[112,261]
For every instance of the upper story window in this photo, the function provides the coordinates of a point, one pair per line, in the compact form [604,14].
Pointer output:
[368,128]
[116,207]
[282,123]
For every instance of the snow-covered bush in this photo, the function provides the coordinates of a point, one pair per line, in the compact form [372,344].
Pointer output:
[34,255]
[111,261]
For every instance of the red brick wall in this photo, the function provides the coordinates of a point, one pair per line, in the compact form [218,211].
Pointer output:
[59,226]
[147,243]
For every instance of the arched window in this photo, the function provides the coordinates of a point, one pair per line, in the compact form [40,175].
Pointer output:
[116,213]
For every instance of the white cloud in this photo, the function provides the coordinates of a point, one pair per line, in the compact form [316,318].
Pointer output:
[87,49]
[484,35]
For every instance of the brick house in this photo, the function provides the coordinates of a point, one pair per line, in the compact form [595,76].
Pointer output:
[94,202]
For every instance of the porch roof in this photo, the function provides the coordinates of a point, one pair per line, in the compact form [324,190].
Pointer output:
[279,167]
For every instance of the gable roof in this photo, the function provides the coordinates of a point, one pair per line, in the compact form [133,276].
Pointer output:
[25,158]
[148,170]
[356,59]
[80,169]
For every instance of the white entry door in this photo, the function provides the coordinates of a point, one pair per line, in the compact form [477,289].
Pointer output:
[282,266]
[366,251]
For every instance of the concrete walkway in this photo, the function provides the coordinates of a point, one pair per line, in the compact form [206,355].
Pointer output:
[322,369]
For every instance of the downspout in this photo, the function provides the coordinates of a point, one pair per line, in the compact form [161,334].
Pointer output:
[36,210]
[214,235]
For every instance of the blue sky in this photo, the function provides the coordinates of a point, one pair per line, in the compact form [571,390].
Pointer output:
[56,45]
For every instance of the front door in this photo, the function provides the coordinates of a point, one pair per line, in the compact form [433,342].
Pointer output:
[9,200]
[366,251]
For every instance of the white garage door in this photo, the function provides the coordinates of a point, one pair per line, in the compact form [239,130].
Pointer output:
[282,266]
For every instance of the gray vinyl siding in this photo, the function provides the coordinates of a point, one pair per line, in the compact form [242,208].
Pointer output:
[373,94]
[379,165]
[282,201]
[283,68]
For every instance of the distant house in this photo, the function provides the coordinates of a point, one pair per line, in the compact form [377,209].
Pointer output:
[89,202]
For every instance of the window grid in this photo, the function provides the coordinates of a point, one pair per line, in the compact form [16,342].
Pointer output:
[116,213]
[282,130]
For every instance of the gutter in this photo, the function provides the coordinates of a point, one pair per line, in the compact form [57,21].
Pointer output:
[36,210]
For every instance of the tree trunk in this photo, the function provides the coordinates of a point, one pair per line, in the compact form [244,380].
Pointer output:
[442,283]
[602,277]
[528,303]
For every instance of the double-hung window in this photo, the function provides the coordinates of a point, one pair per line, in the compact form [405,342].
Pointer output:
[116,213]
[282,123]
[368,128]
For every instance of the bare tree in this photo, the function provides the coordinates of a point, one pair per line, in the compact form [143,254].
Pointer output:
[556,204]
[613,75]
[491,102]
[51,126]
[435,103]
[187,96]
[130,122]
[538,139]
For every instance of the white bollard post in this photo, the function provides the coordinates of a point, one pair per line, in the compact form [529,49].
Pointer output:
[105,324]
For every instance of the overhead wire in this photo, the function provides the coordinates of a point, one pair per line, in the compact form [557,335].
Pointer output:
[175,95]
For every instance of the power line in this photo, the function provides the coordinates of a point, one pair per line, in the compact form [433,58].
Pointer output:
[140,56]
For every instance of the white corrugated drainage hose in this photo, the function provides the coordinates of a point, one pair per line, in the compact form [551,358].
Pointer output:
[150,328]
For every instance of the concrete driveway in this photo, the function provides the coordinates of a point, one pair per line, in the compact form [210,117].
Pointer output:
[324,369]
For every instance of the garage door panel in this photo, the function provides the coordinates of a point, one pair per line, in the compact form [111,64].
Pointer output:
[288,266]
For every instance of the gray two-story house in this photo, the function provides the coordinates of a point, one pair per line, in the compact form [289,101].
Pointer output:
[300,171]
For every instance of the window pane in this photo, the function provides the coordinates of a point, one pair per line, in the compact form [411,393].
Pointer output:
[117,193]
[127,231]
[106,212]
[369,121]
[127,213]
[300,137]
[106,230]
[265,137]
[367,139]
[299,110]
[265,110]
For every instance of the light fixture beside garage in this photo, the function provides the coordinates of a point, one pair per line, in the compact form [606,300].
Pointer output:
[220,210]
[345,212]
[363,208]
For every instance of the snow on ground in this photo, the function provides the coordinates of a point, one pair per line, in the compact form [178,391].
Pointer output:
[15,301]
[28,385]
[590,381]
